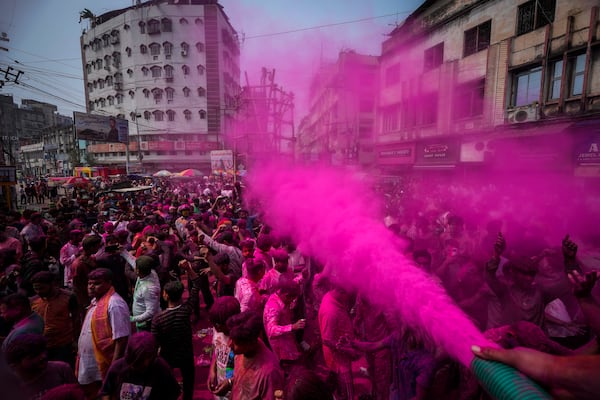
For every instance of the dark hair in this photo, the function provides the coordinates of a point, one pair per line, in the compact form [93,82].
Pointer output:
[249,244]
[288,285]
[174,289]
[226,237]
[222,309]
[103,274]
[254,267]
[304,384]
[112,238]
[245,327]
[221,259]
[16,300]
[91,242]
[264,242]
[37,243]
[46,277]
[25,345]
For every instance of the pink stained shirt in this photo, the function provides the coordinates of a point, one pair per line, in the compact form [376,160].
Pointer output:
[334,322]
[246,292]
[277,319]
[258,377]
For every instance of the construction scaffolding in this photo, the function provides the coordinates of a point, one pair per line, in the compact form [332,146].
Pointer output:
[264,129]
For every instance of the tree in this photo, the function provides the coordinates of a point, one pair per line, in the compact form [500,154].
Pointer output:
[87,14]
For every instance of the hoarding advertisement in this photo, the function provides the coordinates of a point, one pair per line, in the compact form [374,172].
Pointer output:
[101,128]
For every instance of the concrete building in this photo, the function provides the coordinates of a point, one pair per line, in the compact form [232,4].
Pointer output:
[340,124]
[172,69]
[464,81]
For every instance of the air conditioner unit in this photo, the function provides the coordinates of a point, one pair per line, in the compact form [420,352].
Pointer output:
[155,58]
[179,145]
[184,53]
[522,114]
[118,86]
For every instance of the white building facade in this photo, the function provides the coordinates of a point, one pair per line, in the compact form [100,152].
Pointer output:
[170,68]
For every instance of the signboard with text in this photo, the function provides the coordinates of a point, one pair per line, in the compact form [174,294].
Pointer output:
[436,153]
[101,128]
[221,162]
[400,154]
[587,150]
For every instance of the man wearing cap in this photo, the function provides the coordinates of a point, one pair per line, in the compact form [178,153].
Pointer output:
[183,220]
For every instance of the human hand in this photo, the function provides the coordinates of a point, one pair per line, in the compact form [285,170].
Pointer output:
[222,388]
[569,249]
[300,324]
[185,265]
[500,245]
[204,271]
[532,363]
[583,283]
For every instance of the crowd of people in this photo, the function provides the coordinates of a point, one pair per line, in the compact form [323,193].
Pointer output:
[101,295]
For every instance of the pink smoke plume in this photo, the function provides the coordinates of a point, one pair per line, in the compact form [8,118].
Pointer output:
[330,214]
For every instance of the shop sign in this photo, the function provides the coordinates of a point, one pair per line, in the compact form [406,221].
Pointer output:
[396,155]
[441,152]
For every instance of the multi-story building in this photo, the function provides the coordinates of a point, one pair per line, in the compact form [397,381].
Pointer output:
[172,69]
[467,83]
[340,124]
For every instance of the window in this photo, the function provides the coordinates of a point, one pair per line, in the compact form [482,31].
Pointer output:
[156,71]
[111,100]
[556,70]
[169,92]
[434,56]
[157,94]
[146,115]
[145,71]
[168,71]
[105,40]
[101,83]
[389,119]
[577,70]
[131,94]
[142,25]
[146,93]
[119,98]
[183,21]
[534,14]
[201,92]
[158,115]
[526,87]
[102,102]
[392,75]
[202,114]
[199,21]
[153,26]
[187,114]
[107,59]
[130,72]
[200,47]
[98,64]
[468,99]
[88,68]
[167,26]
[429,108]
[185,69]
[186,91]
[109,80]
[170,115]
[154,49]
[143,49]
[200,69]
[168,47]
[478,38]
[116,59]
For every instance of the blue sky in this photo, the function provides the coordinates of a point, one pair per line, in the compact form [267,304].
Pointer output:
[44,39]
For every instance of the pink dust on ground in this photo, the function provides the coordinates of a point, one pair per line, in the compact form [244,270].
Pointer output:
[332,218]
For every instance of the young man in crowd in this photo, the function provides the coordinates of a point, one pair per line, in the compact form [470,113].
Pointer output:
[140,374]
[172,328]
[247,290]
[257,374]
[104,333]
[146,295]
[16,309]
[60,311]
[222,362]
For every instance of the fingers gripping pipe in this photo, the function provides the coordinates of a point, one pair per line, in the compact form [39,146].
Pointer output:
[503,382]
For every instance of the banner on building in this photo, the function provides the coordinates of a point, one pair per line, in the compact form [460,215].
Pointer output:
[399,154]
[442,152]
[101,128]
[8,174]
[221,162]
